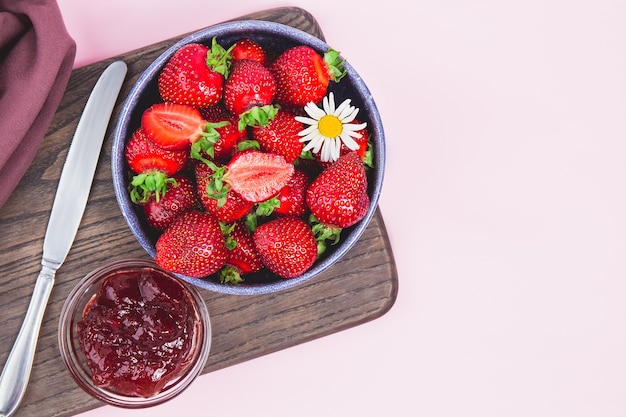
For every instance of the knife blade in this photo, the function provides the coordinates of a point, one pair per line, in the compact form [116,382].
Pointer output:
[67,211]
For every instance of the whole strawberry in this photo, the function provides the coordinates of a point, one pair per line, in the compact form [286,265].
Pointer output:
[302,75]
[153,166]
[242,257]
[195,75]
[249,93]
[286,245]
[291,199]
[231,208]
[248,49]
[338,196]
[192,245]
[179,198]
[229,135]
[281,136]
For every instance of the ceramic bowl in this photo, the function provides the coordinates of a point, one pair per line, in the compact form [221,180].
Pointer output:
[275,37]
[72,326]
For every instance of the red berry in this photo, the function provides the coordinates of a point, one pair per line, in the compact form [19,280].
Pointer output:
[292,197]
[173,126]
[248,49]
[257,176]
[338,196]
[232,208]
[286,245]
[242,257]
[193,245]
[188,78]
[302,75]
[179,198]
[281,136]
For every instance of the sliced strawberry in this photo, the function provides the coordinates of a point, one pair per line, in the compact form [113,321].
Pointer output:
[192,245]
[179,198]
[256,175]
[286,245]
[173,126]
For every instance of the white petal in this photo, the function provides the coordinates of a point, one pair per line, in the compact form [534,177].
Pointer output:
[342,107]
[349,142]
[347,117]
[306,120]
[353,127]
[314,111]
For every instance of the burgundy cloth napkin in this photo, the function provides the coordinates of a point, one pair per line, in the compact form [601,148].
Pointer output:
[36,59]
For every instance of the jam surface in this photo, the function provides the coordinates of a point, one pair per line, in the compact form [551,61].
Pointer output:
[138,332]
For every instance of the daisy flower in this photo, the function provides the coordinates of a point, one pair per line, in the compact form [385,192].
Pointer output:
[329,127]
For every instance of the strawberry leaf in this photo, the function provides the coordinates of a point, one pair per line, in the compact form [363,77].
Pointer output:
[219,59]
[336,65]
[145,186]
[257,116]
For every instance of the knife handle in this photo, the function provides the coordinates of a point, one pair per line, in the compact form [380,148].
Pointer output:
[16,371]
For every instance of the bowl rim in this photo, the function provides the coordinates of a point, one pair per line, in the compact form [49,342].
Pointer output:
[123,129]
[75,366]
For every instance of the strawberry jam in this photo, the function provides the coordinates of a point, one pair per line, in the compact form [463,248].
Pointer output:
[138,332]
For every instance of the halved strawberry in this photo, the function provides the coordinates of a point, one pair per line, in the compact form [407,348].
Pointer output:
[286,245]
[256,175]
[248,49]
[302,75]
[338,196]
[281,135]
[173,126]
[242,257]
[192,245]
[179,198]
[153,166]
[195,75]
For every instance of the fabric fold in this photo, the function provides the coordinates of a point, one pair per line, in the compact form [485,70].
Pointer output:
[36,59]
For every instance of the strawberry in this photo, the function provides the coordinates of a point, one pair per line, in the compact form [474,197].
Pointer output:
[229,136]
[286,245]
[195,75]
[249,92]
[153,165]
[338,196]
[248,49]
[241,256]
[257,176]
[302,75]
[192,245]
[231,208]
[179,198]
[173,126]
[291,199]
[281,136]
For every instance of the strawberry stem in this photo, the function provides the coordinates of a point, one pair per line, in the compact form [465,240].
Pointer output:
[205,145]
[147,185]
[230,275]
[257,116]
[324,234]
[336,65]
[218,59]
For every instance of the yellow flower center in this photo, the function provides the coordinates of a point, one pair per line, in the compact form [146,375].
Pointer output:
[330,126]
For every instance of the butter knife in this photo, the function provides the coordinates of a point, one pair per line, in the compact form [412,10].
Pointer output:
[67,211]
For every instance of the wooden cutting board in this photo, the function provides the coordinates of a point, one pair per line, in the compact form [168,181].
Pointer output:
[360,288]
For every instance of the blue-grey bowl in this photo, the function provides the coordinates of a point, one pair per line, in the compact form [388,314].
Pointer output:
[275,37]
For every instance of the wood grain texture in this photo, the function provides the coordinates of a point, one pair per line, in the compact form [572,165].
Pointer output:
[360,288]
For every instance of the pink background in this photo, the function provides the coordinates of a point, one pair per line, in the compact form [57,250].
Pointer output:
[504,199]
